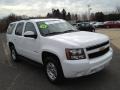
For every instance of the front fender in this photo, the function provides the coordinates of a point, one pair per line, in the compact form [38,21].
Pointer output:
[56,51]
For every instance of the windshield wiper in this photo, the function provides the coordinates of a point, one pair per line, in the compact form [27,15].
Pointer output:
[70,31]
[53,33]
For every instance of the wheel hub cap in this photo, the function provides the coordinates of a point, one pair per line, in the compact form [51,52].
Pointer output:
[51,71]
[13,55]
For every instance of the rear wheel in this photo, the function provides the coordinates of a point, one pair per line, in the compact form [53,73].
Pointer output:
[14,55]
[93,30]
[53,70]
[107,26]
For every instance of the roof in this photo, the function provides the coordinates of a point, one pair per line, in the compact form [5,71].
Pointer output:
[37,20]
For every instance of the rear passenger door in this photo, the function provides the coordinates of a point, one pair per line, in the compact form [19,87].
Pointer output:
[18,38]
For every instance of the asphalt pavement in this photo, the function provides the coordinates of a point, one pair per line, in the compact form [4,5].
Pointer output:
[26,75]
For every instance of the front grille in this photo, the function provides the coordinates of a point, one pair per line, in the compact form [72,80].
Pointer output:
[98,54]
[97,46]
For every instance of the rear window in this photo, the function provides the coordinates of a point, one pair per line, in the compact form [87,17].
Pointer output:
[11,28]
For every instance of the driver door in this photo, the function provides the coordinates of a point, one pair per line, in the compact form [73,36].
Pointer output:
[31,45]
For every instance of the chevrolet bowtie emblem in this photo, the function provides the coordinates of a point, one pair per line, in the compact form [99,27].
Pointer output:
[101,49]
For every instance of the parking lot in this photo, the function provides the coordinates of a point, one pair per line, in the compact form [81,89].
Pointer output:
[26,75]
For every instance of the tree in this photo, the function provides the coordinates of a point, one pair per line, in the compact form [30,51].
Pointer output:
[92,17]
[49,15]
[99,16]
[118,9]
[76,17]
[68,16]
[112,17]
[55,13]
[58,14]
[64,14]
[84,17]
[7,20]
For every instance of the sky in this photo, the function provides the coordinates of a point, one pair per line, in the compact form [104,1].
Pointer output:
[42,7]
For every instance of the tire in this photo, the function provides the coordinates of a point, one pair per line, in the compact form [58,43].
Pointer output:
[53,70]
[108,27]
[14,55]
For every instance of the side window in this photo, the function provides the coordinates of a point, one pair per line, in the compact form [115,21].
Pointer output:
[11,28]
[30,27]
[83,25]
[19,28]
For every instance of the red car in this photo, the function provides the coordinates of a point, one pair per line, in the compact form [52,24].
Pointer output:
[112,24]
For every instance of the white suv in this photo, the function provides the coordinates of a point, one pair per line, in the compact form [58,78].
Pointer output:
[63,50]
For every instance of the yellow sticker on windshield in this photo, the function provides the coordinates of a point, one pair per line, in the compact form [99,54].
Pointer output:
[43,26]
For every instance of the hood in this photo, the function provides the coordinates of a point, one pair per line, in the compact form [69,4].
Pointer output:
[80,39]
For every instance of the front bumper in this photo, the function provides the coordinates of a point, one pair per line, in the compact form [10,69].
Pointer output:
[77,68]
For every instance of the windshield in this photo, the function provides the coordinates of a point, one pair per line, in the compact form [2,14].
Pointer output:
[55,27]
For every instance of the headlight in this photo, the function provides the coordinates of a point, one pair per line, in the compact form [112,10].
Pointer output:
[75,54]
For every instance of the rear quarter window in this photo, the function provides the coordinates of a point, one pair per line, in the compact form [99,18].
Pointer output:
[11,28]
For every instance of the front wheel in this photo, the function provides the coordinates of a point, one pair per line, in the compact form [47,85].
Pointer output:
[53,70]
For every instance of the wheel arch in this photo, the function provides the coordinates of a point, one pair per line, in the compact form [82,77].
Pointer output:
[10,44]
[47,53]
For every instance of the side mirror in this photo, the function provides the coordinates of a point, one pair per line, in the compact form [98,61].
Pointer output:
[30,34]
